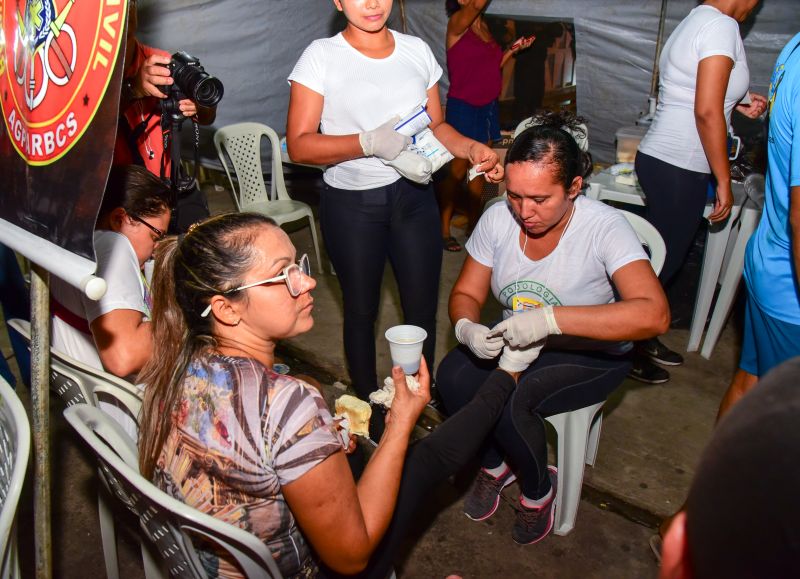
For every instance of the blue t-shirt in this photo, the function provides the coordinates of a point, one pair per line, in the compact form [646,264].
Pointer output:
[768,269]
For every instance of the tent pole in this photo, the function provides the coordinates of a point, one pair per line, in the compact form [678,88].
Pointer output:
[659,42]
[40,397]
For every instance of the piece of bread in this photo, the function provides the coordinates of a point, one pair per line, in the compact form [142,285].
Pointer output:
[357,413]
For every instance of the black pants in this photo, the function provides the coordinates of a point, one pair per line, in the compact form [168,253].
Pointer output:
[361,230]
[434,458]
[675,201]
[557,382]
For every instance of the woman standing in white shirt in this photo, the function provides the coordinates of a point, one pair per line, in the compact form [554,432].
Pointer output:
[704,75]
[347,93]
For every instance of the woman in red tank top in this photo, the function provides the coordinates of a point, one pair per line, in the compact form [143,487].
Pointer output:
[474,63]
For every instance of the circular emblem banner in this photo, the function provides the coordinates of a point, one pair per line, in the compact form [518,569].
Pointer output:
[56,61]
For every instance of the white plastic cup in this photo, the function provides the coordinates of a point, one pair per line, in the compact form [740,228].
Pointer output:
[405,346]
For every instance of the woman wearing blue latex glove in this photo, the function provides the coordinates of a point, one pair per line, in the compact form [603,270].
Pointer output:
[554,260]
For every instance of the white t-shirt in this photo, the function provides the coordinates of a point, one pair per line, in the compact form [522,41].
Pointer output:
[673,136]
[361,93]
[598,241]
[118,265]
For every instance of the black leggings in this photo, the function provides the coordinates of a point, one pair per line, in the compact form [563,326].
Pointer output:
[675,201]
[361,229]
[433,459]
[557,382]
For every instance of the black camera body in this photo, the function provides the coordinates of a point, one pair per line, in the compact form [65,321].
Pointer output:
[190,81]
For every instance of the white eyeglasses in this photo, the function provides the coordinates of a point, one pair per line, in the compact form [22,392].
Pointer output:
[293,275]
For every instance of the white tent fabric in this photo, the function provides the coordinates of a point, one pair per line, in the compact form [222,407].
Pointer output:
[252,45]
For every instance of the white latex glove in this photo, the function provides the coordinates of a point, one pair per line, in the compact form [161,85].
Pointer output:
[477,338]
[528,327]
[518,359]
[412,166]
[384,142]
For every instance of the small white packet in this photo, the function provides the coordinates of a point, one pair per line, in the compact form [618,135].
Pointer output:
[415,121]
[344,430]
[473,172]
[426,144]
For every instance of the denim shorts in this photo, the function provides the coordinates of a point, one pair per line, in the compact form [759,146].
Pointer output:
[479,123]
[767,341]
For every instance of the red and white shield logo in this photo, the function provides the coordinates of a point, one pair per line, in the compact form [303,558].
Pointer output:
[56,61]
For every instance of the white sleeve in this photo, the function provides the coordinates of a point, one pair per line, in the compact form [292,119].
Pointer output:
[310,69]
[482,242]
[717,38]
[434,69]
[617,244]
[117,264]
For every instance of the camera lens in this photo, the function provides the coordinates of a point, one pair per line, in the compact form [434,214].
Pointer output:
[208,91]
[192,80]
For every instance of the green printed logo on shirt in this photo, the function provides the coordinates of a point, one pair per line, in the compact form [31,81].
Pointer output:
[526,295]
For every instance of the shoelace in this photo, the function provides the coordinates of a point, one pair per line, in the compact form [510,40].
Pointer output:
[530,516]
[489,486]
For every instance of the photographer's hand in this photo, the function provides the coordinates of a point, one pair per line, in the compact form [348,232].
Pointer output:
[152,75]
[188,107]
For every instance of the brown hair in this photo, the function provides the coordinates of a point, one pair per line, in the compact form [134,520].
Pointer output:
[210,259]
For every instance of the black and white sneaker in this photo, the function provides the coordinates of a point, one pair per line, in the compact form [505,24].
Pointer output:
[645,371]
[658,352]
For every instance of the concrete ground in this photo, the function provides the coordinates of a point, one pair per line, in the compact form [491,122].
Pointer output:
[652,437]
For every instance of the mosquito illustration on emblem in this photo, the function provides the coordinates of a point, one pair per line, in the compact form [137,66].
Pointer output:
[56,61]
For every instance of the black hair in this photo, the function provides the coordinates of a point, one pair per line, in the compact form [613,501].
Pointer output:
[548,140]
[451,7]
[742,509]
[137,191]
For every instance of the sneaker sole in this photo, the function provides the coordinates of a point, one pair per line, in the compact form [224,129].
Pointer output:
[510,480]
[658,360]
[553,472]
[648,380]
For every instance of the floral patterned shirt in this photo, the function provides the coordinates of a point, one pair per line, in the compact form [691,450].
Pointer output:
[241,432]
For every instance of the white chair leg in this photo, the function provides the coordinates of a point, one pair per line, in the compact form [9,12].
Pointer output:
[108,535]
[151,563]
[594,439]
[730,281]
[573,434]
[316,243]
[716,243]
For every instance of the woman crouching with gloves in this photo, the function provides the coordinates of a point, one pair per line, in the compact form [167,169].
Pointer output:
[575,286]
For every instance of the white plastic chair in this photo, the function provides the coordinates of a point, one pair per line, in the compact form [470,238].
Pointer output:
[241,143]
[166,522]
[723,262]
[15,446]
[77,383]
[578,430]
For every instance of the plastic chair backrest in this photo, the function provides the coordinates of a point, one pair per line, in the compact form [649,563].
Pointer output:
[77,383]
[241,143]
[165,521]
[650,237]
[15,446]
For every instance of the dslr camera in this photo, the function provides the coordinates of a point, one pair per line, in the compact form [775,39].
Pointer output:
[191,81]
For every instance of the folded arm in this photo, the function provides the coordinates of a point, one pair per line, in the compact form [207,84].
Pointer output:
[124,341]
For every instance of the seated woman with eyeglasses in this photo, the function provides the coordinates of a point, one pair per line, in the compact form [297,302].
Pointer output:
[224,433]
[113,333]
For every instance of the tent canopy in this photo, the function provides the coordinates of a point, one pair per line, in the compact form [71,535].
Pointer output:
[252,45]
